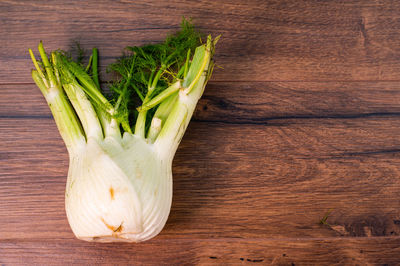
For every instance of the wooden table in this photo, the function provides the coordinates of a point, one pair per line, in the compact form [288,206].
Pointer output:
[292,156]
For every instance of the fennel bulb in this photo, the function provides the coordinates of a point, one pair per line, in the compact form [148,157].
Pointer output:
[119,185]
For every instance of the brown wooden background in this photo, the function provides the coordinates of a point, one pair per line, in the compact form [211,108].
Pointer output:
[303,120]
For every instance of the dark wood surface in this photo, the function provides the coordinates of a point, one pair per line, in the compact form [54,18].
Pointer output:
[301,122]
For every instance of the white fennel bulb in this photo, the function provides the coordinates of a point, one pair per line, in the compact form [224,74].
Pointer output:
[115,193]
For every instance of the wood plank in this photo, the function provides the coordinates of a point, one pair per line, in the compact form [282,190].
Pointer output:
[262,40]
[230,181]
[266,102]
[251,102]
[343,251]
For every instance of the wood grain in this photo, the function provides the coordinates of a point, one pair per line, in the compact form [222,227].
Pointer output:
[341,251]
[292,157]
[262,40]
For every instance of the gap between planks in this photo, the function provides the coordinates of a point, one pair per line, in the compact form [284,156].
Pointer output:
[223,239]
[263,121]
[253,81]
